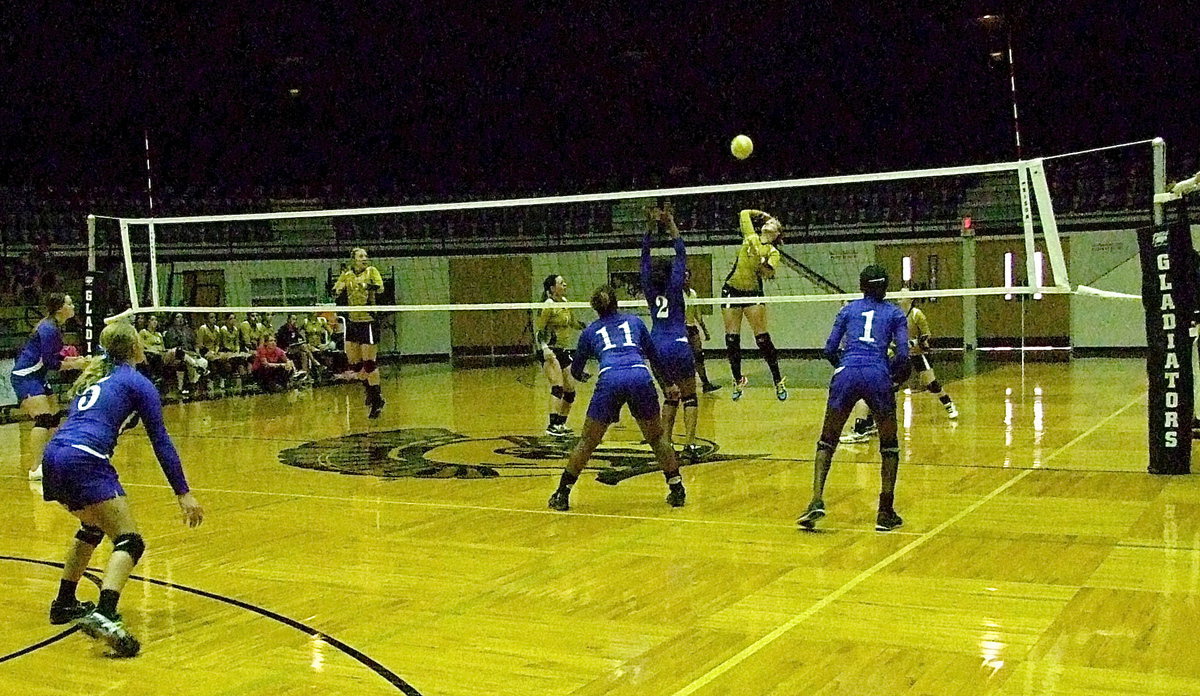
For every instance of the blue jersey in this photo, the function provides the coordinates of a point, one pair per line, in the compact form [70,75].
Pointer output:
[41,352]
[862,332]
[617,341]
[667,310]
[98,416]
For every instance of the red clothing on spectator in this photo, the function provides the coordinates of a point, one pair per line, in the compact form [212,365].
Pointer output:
[268,355]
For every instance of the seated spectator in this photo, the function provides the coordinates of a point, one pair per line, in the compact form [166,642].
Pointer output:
[232,356]
[208,346]
[182,356]
[272,369]
[292,339]
[152,345]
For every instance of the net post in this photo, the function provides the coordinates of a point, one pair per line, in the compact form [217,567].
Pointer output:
[152,241]
[1027,223]
[969,313]
[130,280]
[1045,204]
[1158,149]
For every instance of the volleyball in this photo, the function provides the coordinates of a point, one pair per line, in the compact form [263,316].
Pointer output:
[741,147]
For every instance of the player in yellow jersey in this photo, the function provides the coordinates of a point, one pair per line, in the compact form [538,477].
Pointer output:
[556,330]
[756,260]
[919,340]
[696,327]
[232,354]
[359,285]
[208,344]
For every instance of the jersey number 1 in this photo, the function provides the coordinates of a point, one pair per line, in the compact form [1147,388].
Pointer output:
[869,315]
[624,326]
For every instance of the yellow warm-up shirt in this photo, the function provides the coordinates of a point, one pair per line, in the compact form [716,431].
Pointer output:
[361,289]
[755,259]
[918,331]
[557,326]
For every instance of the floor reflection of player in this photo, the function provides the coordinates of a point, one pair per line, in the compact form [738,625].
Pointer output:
[622,345]
[858,348]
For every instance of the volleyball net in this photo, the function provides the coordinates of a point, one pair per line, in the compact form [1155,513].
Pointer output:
[974,242]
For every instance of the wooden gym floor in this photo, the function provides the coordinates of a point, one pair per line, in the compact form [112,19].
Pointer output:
[1037,556]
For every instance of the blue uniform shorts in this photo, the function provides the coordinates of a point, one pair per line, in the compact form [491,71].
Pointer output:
[673,359]
[76,478]
[624,385]
[29,385]
[872,384]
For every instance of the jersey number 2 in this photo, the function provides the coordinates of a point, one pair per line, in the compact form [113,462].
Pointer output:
[663,309]
[624,326]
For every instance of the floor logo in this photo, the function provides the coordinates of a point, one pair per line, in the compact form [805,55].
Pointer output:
[442,453]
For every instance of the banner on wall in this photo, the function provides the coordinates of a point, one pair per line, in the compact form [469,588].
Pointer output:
[1169,269]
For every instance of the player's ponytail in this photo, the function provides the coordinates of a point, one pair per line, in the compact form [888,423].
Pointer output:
[604,300]
[550,281]
[118,342]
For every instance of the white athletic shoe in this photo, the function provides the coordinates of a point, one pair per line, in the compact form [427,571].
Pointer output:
[854,438]
[951,411]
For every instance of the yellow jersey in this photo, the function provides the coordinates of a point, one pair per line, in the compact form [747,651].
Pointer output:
[918,331]
[249,335]
[230,339]
[755,259]
[152,341]
[556,326]
[691,312]
[361,289]
[208,337]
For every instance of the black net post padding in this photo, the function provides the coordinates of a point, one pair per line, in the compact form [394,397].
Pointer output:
[1169,286]
[94,310]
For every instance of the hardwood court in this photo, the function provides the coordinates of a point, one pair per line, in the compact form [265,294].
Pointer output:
[1037,556]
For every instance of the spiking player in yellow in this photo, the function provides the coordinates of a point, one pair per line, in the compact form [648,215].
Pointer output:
[757,259]
[357,286]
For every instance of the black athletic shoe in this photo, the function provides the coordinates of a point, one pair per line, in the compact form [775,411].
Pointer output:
[560,500]
[66,612]
[691,454]
[677,496]
[111,631]
[887,520]
[376,409]
[710,387]
[814,512]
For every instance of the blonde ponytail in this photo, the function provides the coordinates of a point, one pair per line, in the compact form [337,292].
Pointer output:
[119,342]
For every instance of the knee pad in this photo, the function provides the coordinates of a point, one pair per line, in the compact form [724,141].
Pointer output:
[673,403]
[691,401]
[557,392]
[92,536]
[356,367]
[889,446]
[764,341]
[826,446]
[131,544]
[733,341]
[934,387]
[369,366]
[568,396]
[48,421]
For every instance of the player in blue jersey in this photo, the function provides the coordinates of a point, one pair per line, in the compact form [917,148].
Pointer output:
[662,284]
[622,344]
[41,354]
[109,396]
[858,348]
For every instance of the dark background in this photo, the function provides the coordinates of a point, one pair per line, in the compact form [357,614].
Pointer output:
[440,99]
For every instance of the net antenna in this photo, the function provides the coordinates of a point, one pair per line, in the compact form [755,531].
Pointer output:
[708,215]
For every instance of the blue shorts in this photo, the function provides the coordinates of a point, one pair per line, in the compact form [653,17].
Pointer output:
[872,384]
[624,385]
[674,359]
[29,385]
[76,478]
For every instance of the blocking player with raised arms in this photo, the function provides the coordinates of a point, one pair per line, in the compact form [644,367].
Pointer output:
[756,259]
[358,286]
[621,343]
[858,348]
[109,397]
[662,285]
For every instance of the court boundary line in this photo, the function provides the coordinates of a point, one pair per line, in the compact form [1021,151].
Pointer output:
[747,652]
